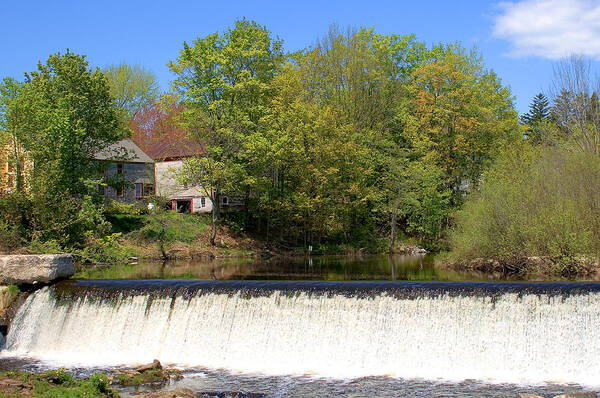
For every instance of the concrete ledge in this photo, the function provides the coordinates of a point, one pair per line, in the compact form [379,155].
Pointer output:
[35,268]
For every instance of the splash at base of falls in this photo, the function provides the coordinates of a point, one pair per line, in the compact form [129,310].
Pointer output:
[495,332]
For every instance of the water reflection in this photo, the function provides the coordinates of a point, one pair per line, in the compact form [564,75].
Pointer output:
[326,268]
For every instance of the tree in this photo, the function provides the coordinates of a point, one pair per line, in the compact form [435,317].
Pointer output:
[155,120]
[10,120]
[224,81]
[575,104]
[133,87]
[539,113]
[68,115]
[461,117]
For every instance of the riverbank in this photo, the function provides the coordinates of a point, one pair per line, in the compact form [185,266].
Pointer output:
[527,267]
[169,235]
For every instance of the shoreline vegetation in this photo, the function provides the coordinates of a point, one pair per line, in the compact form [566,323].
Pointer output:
[362,143]
[106,384]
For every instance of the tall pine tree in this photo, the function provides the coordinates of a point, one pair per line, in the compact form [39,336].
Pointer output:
[539,111]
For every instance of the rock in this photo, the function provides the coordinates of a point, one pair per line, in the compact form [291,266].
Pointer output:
[35,268]
[179,392]
[527,395]
[155,365]
[582,394]
[230,394]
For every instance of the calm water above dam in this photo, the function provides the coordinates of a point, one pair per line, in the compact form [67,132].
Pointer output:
[318,268]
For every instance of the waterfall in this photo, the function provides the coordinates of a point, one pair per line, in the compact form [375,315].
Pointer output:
[502,332]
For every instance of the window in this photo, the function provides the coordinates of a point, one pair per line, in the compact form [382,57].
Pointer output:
[120,191]
[139,190]
[119,168]
[203,201]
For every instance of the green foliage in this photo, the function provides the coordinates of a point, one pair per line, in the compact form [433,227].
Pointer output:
[44,247]
[15,221]
[359,135]
[146,377]
[171,226]
[125,223]
[58,377]
[536,118]
[70,116]
[132,209]
[104,249]
[101,383]
[13,289]
[534,202]
[166,228]
[61,115]
[132,87]
[224,80]
[60,383]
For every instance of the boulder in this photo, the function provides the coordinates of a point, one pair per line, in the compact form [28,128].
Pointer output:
[155,365]
[582,394]
[527,395]
[179,392]
[35,268]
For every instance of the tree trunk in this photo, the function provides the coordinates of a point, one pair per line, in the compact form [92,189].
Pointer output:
[392,231]
[215,216]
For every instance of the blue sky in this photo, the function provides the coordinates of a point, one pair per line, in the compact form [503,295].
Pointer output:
[520,40]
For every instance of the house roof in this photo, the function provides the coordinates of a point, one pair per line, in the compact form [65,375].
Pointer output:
[174,145]
[124,150]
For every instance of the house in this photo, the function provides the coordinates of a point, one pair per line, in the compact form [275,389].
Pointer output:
[169,154]
[127,172]
[12,174]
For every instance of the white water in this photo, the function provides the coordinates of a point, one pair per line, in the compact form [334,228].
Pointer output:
[516,339]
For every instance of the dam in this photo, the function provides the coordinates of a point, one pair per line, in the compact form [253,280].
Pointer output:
[453,331]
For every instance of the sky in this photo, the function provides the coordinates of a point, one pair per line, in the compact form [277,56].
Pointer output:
[519,40]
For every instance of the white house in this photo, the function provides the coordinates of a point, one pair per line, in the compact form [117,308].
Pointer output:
[169,153]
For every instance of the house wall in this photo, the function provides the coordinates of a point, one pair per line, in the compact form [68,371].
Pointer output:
[132,172]
[198,208]
[166,181]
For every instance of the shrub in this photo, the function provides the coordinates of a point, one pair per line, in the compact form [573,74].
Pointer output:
[542,202]
[104,249]
[38,246]
[10,237]
[114,207]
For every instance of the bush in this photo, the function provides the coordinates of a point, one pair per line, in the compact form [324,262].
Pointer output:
[114,207]
[44,247]
[15,220]
[105,249]
[10,237]
[534,202]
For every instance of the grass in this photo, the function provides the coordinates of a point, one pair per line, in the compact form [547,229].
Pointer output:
[54,384]
[147,377]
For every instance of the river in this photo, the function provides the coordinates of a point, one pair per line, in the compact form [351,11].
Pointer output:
[352,327]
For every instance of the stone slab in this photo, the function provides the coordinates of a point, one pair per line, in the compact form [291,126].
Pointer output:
[35,268]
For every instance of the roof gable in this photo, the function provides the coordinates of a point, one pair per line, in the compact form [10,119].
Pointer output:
[124,150]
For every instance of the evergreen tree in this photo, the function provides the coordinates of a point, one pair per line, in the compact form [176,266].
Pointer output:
[539,112]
